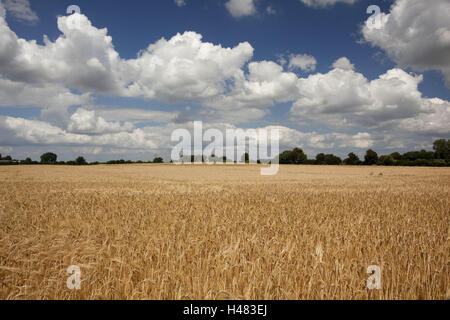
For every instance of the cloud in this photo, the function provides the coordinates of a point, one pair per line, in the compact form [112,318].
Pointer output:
[265,85]
[415,34]
[53,99]
[185,67]
[325,3]
[291,138]
[136,115]
[85,121]
[241,8]
[21,10]
[235,115]
[19,94]
[435,121]
[81,58]
[343,64]
[303,62]
[5,149]
[23,132]
[2,11]
[19,131]
[270,10]
[180,3]
[345,98]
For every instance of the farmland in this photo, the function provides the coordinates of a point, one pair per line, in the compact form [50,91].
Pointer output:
[224,232]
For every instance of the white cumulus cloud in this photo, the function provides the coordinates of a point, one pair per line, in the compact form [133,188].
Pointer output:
[346,98]
[303,62]
[241,8]
[21,10]
[86,121]
[325,3]
[415,34]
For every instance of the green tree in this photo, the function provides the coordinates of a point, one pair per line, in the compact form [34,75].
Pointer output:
[352,159]
[386,161]
[158,160]
[331,159]
[371,157]
[320,158]
[442,149]
[27,161]
[285,157]
[396,156]
[298,156]
[49,158]
[80,161]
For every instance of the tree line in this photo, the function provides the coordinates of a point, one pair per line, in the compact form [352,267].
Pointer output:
[440,157]
[51,158]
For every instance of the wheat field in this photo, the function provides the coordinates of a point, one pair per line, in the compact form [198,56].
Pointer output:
[224,232]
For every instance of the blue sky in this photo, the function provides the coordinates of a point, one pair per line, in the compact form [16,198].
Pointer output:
[388,90]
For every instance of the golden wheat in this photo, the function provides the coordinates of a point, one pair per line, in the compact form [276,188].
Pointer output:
[224,232]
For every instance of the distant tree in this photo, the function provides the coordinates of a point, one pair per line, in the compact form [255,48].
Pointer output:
[418,155]
[386,161]
[158,160]
[371,157]
[423,154]
[396,156]
[49,158]
[285,157]
[298,156]
[7,158]
[352,159]
[80,161]
[442,149]
[320,158]
[27,161]
[331,159]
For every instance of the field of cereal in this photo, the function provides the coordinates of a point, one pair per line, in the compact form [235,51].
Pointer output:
[224,232]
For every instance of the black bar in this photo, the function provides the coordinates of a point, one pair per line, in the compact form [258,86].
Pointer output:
[231,310]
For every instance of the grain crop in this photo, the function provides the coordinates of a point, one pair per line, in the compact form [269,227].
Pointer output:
[224,232]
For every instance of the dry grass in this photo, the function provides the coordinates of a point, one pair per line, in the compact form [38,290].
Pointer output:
[219,232]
